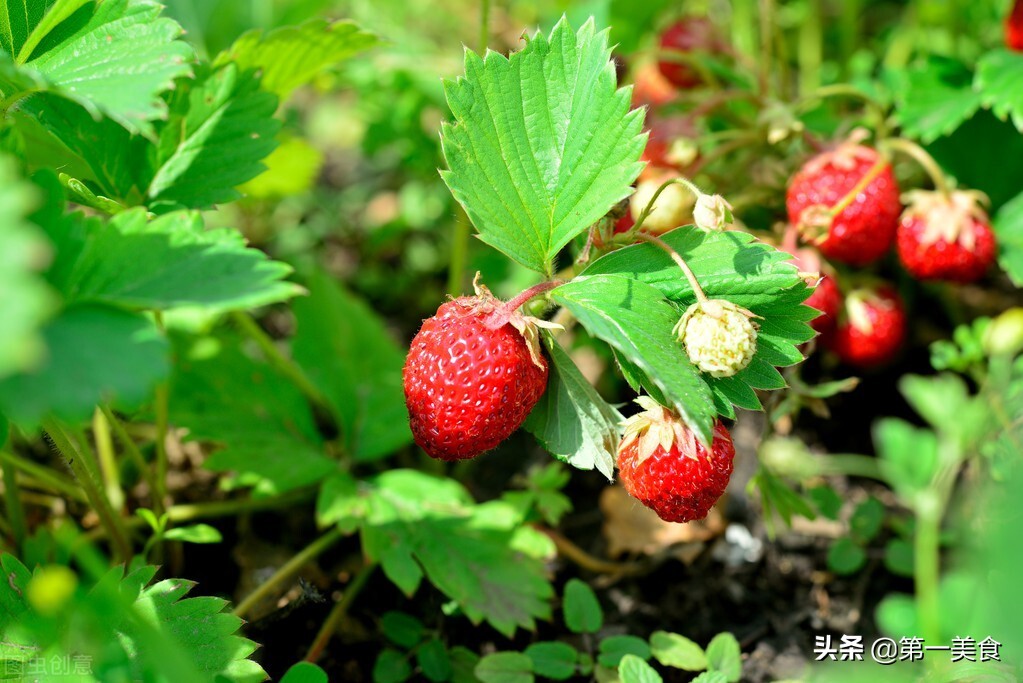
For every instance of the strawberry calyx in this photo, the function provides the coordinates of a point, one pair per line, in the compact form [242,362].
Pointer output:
[500,313]
[846,155]
[860,302]
[657,427]
[948,217]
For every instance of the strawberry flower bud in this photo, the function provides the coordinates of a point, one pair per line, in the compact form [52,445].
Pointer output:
[712,212]
[718,336]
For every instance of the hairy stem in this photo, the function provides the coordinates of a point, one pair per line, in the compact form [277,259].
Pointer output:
[76,460]
[130,448]
[338,613]
[679,261]
[288,570]
[500,316]
[107,460]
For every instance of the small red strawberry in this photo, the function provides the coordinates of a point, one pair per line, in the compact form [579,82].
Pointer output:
[1014,27]
[946,237]
[826,298]
[472,375]
[846,202]
[873,329]
[663,465]
[625,223]
[690,34]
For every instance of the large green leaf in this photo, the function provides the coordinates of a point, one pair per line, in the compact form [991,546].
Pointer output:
[291,56]
[572,421]
[543,143]
[25,300]
[481,556]
[262,421]
[114,57]
[346,351]
[736,267]
[999,74]
[134,631]
[935,99]
[94,353]
[635,318]
[173,261]
[1008,226]
[221,127]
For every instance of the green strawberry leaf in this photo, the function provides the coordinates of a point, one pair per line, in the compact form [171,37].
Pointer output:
[671,649]
[291,56]
[735,267]
[418,525]
[350,356]
[725,656]
[612,650]
[571,420]
[583,613]
[305,672]
[636,320]
[505,667]
[634,670]
[134,628]
[94,353]
[113,58]
[1008,227]
[542,144]
[170,262]
[257,416]
[553,660]
[25,299]
[999,74]
[935,99]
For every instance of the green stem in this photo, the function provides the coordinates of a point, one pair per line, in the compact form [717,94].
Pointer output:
[130,448]
[846,90]
[15,510]
[920,155]
[930,509]
[287,570]
[810,49]
[766,45]
[44,475]
[484,25]
[337,614]
[851,465]
[162,408]
[76,460]
[679,261]
[286,366]
[107,460]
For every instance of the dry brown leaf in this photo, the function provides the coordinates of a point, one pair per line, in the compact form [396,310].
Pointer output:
[631,527]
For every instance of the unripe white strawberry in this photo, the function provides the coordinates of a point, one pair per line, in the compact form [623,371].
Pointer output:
[718,336]
[712,212]
[672,208]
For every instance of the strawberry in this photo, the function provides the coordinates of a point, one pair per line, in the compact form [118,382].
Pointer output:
[718,336]
[946,237]
[826,298]
[873,329]
[690,34]
[846,201]
[473,373]
[663,465]
[670,143]
[1014,27]
[672,208]
[624,224]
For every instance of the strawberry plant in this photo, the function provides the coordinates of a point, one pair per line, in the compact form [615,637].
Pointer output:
[267,411]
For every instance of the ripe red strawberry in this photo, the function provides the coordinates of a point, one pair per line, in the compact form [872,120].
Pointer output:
[826,298]
[1014,27]
[873,329]
[846,202]
[663,465]
[946,237]
[690,34]
[625,223]
[473,373]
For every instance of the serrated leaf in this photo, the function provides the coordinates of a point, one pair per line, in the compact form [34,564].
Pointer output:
[220,129]
[553,660]
[25,300]
[94,354]
[1008,227]
[634,670]
[572,421]
[935,99]
[672,649]
[542,144]
[505,667]
[262,421]
[636,319]
[291,56]
[173,261]
[582,610]
[350,356]
[420,524]
[112,58]
[725,656]
[999,74]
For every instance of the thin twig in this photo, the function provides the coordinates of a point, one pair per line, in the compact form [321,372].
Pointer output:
[338,613]
[679,261]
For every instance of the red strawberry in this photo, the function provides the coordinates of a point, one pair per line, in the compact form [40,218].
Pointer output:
[663,465]
[625,223]
[826,298]
[651,88]
[691,34]
[946,237]
[472,375]
[670,144]
[1014,27]
[846,201]
[873,329]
